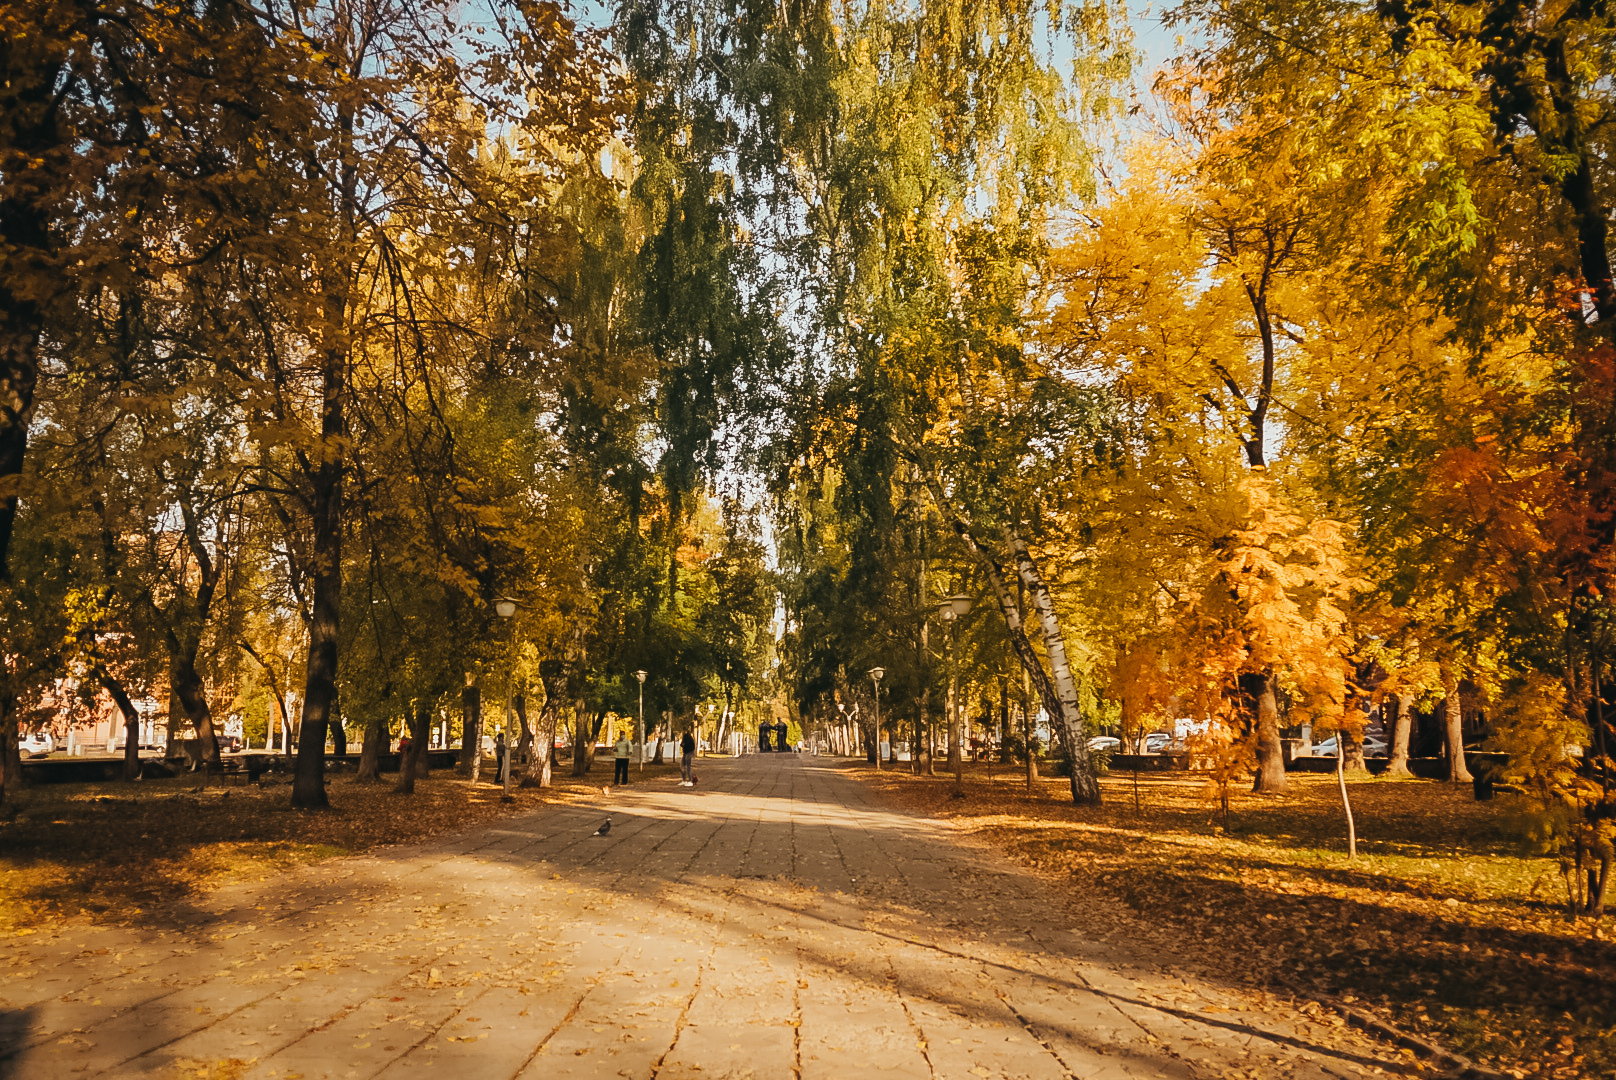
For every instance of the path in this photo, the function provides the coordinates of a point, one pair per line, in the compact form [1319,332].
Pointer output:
[772,923]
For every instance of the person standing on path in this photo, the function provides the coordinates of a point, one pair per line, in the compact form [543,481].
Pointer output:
[687,746]
[621,749]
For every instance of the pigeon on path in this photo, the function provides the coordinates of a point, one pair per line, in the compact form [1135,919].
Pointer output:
[604,829]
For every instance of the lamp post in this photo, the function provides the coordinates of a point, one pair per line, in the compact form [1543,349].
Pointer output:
[640,675]
[505,608]
[875,677]
[952,609]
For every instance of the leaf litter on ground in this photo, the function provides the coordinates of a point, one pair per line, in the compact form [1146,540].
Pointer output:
[116,852]
[1443,926]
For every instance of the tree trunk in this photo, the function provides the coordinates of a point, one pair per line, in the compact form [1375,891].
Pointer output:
[1350,750]
[339,730]
[1270,754]
[131,724]
[11,781]
[919,757]
[377,736]
[176,718]
[524,743]
[1346,803]
[26,234]
[540,763]
[587,733]
[1032,758]
[413,758]
[320,676]
[1453,732]
[1085,787]
[471,733]
[1598,880]
[1402,730]
[1004,715]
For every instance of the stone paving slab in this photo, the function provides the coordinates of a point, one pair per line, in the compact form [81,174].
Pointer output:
[773,924]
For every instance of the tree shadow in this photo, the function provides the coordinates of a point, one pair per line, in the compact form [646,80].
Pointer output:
[16,1025]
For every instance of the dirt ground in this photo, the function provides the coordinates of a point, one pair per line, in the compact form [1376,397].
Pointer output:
[1444,925]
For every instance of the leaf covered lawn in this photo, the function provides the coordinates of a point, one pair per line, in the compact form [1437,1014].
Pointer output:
[120,852]
[1443,925]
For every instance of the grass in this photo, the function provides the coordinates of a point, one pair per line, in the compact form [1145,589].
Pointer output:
[140,852]
[1443,925]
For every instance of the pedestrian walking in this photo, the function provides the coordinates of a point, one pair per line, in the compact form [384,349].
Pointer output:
[499,757]
[622,749]
[687,746]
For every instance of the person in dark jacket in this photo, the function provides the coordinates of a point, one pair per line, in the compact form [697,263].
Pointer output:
[780,738]
[687,748]
[765,730]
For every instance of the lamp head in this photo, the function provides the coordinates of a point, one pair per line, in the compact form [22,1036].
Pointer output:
[640,675]
[504,607]
[878,673]
[954,607]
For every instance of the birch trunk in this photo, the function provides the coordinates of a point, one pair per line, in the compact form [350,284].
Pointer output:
[1085,788]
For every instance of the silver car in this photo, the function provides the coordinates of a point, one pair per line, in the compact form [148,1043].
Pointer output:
[1372,747]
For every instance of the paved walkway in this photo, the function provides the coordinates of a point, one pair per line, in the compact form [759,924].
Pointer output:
[773,922]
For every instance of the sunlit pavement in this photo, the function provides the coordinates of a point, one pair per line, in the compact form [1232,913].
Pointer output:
[772,922]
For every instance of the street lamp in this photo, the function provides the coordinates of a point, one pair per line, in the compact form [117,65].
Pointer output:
[505,608]
[875,677]
[953,608]
[640,675]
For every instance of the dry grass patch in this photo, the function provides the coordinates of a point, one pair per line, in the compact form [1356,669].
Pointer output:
[1442,925]
[121,852]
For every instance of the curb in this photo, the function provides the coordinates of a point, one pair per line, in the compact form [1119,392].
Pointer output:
[1457,1065]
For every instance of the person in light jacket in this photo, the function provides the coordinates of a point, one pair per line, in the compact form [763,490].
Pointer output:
[622,749]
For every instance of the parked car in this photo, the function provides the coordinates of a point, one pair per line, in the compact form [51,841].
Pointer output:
[1103,742]
[1157,741]
[229,744]
[1372,747]
[38,744]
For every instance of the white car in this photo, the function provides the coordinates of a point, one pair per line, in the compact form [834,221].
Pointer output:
[1157,741]
[1103,742]
[1372,747]
[38,744]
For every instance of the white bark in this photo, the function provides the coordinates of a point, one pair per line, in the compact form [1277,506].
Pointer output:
[1071,711]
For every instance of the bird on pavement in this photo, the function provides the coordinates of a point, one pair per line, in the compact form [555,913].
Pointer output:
[604,829]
